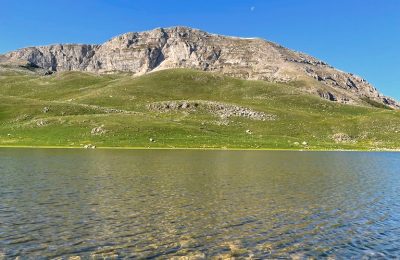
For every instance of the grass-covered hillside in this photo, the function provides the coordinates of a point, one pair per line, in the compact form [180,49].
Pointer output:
[182,108]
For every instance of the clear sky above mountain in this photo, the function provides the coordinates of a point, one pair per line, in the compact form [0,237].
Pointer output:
[359,36]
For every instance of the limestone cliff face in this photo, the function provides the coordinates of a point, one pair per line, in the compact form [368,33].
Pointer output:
[182,47]
[60,57]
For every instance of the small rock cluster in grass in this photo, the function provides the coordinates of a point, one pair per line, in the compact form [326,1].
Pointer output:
[108,110]
[217,108]
[342,138]
[21,118]
[304,143]
[114,110]
[98,130]
[104,109]
[89,146]
[41,123]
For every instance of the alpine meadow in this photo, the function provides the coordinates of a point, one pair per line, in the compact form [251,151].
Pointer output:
[184,88]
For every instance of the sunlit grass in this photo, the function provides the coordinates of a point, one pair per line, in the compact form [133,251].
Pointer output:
[77,102]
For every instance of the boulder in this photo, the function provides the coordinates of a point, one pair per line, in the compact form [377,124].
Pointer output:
[89,146]
[98,130]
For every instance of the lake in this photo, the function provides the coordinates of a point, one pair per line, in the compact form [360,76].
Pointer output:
[172,203]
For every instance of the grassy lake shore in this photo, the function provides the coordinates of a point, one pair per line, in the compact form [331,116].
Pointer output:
[196,148]
[118,111]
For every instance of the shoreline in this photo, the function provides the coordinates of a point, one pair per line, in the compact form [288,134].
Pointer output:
[192,148]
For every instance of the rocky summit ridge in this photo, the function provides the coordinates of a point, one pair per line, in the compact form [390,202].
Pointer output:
[182,47]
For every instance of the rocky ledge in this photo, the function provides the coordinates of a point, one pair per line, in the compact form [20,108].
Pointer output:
[222,110]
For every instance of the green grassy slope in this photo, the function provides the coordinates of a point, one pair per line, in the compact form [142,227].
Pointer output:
[62,109]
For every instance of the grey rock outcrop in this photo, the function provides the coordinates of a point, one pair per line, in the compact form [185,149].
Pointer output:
[60,57]
[182,47]
[98,130]
[220,109]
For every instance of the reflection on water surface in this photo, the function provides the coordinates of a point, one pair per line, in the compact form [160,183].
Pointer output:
[158,203]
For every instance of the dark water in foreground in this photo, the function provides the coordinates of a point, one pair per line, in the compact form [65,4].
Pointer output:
[199,203]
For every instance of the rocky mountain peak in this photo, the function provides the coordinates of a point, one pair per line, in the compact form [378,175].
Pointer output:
[185,47]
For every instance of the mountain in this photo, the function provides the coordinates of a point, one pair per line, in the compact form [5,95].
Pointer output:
[183,47]
[184,88]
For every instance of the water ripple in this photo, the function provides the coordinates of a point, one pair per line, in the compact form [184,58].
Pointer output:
[195,204]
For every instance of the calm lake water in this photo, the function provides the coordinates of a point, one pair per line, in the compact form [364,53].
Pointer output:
[165,204]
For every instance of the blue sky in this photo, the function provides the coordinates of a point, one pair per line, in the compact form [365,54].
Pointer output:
[359,36]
